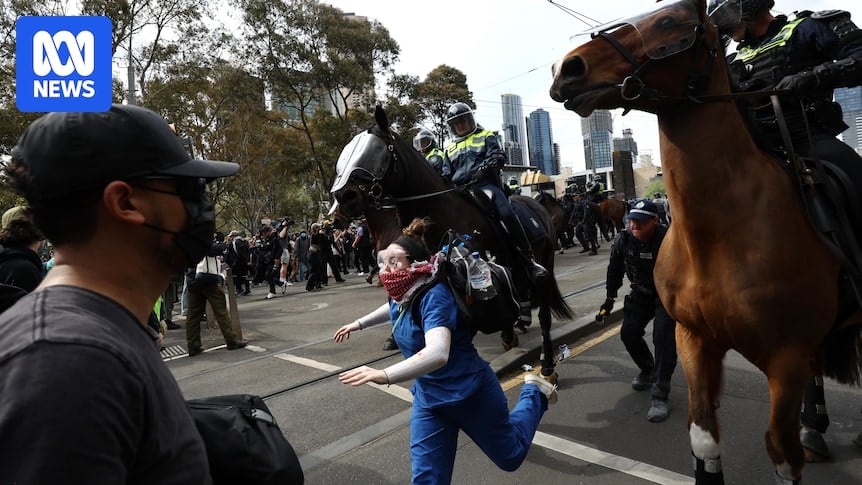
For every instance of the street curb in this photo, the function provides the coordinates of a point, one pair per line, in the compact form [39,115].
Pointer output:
[531,348]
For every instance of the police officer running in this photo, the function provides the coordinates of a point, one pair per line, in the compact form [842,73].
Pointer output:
[426,143]
[634,253]
[809,55]
[476,158]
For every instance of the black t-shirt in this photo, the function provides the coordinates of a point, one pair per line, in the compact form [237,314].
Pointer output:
[86,399]
[20,267]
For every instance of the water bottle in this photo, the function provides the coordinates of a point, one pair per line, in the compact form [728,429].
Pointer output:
[480,278]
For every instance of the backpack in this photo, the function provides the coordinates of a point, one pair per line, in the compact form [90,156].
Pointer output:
[244,444]
[487,316]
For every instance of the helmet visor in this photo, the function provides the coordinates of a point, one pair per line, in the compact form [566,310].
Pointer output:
[726,15]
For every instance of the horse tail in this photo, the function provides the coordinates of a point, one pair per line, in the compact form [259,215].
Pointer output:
[842,354]
[559,308]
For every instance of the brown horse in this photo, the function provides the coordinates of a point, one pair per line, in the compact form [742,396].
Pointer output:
[613,211]
[771,295]
[378,170]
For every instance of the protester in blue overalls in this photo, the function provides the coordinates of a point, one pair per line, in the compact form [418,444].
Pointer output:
[454,389]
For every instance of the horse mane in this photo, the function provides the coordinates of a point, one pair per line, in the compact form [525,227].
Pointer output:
[410,159]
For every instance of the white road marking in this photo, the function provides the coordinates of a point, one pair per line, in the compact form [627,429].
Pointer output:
[308,362]
[569,448]
[608,460]
[255,348]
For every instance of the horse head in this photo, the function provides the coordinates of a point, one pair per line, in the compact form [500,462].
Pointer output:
[376,168]
[618,66]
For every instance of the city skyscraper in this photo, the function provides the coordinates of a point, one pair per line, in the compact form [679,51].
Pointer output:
[597,131]
[627,143]
[514,137]
[542,143]
[850,100]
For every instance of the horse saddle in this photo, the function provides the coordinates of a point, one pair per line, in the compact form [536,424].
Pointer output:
[532,227]
[834,208]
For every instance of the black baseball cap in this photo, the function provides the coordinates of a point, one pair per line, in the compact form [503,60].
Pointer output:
[68,152]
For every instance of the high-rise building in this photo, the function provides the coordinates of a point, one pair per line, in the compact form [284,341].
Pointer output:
[627,143]
[541,143]
[597,131]
[513,129]
[850,100]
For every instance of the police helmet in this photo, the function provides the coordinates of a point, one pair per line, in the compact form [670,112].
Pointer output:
[513,180]
[455,114]
[657,195]
[728,15]
[424,140]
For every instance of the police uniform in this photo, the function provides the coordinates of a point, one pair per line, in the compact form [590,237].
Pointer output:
[826,45]
[436,158]
[636,259]
[585,230]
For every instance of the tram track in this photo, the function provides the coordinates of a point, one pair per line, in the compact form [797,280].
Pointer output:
[376,360]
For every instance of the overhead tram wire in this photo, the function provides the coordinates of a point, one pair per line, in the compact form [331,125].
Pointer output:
[590,22]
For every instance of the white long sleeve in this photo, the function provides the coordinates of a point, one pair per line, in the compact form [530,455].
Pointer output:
[376,317]
[432,357]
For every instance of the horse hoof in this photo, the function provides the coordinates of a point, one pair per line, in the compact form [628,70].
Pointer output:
[814,445]
[511,343]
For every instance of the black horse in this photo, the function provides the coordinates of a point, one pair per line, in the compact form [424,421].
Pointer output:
[378,171]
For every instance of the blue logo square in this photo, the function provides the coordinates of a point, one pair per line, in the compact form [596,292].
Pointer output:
[63,63]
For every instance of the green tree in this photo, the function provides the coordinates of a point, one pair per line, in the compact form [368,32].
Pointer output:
[442,86]
[311,57]
[653,187]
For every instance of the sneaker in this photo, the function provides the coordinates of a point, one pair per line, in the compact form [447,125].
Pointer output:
[361,273]
[270,296]
[658,411]
[195,351]
[641,382]
[389,343]
[237,345]
[172,326]
[548,389]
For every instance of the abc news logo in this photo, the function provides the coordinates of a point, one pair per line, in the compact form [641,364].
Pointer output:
[63,63]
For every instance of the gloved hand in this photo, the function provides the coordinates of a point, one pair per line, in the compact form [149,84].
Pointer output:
[606,308]
[799,84]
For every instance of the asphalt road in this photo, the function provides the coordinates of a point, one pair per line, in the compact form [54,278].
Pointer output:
[596,434]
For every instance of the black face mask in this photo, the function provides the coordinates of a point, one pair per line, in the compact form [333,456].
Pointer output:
[195,239]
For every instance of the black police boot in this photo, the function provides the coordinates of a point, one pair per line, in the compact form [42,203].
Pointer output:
[516,232]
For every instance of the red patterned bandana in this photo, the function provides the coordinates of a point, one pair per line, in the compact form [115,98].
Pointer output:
[398,283]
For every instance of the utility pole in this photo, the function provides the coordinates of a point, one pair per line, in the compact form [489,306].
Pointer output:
[131,71]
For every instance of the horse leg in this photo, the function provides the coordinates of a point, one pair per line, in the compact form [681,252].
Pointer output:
[815,420]
[786,388]
[547,347]
[702,365]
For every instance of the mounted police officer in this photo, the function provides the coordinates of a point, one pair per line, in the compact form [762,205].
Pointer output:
[514,188]
[426,143]
[634,253]
[476,158]
[809,55]
[595,190]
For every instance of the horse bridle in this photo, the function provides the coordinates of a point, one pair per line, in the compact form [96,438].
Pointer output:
[375,193]
[633,87]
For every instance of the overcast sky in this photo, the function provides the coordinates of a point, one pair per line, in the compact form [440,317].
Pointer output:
[508,46]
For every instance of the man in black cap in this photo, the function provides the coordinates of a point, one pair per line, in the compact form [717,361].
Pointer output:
[125,207]
[634,253]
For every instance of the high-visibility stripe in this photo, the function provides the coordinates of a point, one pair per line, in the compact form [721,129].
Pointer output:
[780,39]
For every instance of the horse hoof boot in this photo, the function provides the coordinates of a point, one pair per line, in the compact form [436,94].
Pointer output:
[814,445]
